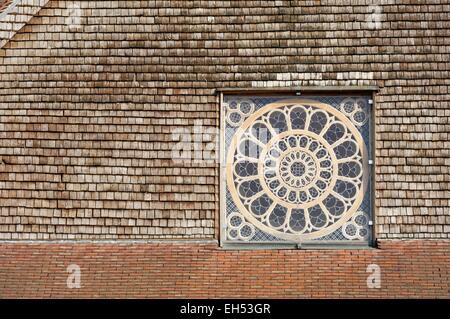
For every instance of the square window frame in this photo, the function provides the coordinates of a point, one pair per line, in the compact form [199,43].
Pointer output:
[366,91]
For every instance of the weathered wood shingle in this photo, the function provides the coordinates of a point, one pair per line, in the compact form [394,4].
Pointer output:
[89,103]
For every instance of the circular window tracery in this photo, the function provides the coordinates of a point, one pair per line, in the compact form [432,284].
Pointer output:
[295,169]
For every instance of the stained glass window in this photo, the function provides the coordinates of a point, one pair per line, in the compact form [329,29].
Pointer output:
[296,169]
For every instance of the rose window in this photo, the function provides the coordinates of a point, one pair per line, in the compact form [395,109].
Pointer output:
[296,169]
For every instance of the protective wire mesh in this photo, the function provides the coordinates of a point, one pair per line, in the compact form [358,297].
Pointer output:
[260,236]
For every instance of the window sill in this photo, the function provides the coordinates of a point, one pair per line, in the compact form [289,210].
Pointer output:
[295,246]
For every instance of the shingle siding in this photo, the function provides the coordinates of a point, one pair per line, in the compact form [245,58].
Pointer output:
[88,111]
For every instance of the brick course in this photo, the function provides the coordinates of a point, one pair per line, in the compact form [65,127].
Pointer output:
[409,269]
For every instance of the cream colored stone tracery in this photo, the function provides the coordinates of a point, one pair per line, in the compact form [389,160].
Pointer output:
[237,112]
[356,110]
[238,228]
[295,169]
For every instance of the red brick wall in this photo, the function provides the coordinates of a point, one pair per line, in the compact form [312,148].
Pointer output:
[408,269]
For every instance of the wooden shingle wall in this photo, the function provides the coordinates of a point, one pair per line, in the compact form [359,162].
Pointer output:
[91,93]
